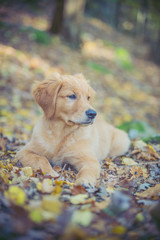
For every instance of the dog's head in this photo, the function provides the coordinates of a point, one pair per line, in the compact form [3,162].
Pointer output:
[67,98]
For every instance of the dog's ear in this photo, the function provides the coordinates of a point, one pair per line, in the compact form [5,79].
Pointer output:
[45,94]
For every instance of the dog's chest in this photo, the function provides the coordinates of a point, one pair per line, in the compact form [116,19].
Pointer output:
[56,148]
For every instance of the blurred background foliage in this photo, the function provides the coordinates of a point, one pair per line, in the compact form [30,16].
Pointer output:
[114,43]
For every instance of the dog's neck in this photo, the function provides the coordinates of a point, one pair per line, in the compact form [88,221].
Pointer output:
[59,127]
[60,131]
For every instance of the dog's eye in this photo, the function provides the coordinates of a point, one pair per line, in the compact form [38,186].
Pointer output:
[88,98]
[73,96]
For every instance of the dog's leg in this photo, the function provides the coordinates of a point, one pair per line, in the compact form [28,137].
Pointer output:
[120,143]
[89,171]
[29,158]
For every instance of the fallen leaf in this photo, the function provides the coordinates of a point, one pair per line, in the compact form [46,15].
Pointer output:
[77,199]
[57,168]
[57,189]
[15,195]
[139,217]
[3,144]
[136,171]
[28,171]
[143,186]
[78,189]
[110,189]
[152,192]
[5,176]
[139,144]
[36,215]
[46,186]
[83,218]
[153,152]
[59,182]
[51,203]
[120,230]
[128,161]
[102,205]
[145,173]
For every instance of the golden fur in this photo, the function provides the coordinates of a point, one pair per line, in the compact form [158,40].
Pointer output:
[63,133]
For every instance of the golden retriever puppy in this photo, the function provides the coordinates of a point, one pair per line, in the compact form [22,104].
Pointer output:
[69,130]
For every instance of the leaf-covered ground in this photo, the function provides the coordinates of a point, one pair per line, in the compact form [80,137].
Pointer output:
[125,203]
[121,206]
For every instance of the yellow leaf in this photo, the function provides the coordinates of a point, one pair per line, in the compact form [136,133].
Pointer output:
[46,186]
[145,173]
[15,195]
[36,215]
[152,192]
[79,198]
[120,230]
[51,203]
[59,183]
[39,186]
[4,175]
[57,189]
[128,161]
[3,102]
[151,148]
[28,172]
[110,189]
[83,218]
[139,217]
[152,152]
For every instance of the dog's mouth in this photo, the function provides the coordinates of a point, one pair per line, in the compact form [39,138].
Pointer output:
[85,123]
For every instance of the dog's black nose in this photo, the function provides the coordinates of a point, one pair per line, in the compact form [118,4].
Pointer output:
[91,113]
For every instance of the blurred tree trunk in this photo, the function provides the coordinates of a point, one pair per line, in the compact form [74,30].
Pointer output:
[155,49]
[57,17]
[113,12]
[67,20]
[142,18]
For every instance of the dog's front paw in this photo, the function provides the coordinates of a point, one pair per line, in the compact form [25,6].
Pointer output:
[53,174]
[86,181]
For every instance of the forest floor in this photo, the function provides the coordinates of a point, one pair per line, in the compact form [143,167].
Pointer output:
[125,203]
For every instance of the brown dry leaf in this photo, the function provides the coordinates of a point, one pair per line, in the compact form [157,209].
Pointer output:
[102,205]
[145,173]
[5,176]
[153,192]
[3,144]
[57,168]
[78,189]
[136,171]
[112,167]
[136,151]
[145,156]
[108,161]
